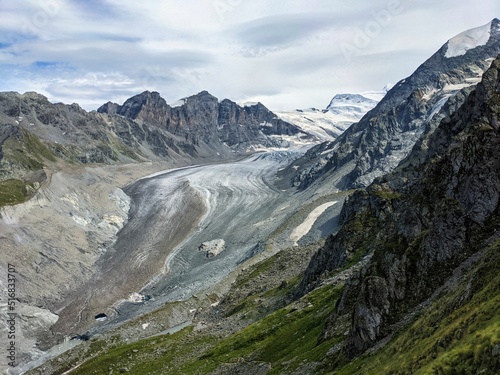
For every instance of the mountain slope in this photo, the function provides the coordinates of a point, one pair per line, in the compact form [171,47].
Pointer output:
[202,119]
[74,135]
[327,124]
[386,134]
[36,133]
[410,283]
[419,225]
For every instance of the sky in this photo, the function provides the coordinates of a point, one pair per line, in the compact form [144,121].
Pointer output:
[287,54]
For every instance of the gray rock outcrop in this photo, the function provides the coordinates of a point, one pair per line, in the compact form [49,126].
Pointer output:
[437,209]
[203,119]
[213,248]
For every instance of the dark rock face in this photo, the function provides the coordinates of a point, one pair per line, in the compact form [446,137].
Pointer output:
[110,108]
[436,210]
[145,127]
[73,134]
[202,119]
[385,135]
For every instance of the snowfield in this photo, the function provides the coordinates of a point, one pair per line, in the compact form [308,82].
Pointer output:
[308,223]
[460,44]
[342,112]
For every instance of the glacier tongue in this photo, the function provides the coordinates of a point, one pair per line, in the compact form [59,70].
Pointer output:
[460,44]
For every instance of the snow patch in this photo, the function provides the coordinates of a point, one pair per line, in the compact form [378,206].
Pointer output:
[308,223]
[179,103]
[460,44]
[327,152]
[437,107]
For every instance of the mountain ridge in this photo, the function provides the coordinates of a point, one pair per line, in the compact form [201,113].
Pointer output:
[421,222]
[144,128]
[417,237]
[201,117]
[386,134]
[342,111]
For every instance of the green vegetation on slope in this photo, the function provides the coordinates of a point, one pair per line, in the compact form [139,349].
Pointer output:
[23,155]
[283,339]
[458,334]
[14,191]
[156,355]
[27,151]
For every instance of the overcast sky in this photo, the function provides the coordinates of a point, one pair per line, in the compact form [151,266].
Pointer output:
[284,53]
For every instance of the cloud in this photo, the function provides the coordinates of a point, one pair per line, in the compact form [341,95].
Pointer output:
[281,30]
[286,54]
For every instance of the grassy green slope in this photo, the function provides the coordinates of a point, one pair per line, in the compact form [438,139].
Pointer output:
[22,155]
[458,334]
[283,340]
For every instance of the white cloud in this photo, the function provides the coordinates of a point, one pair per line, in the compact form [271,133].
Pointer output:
[286,54]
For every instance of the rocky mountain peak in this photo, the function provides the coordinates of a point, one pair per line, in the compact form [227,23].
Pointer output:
[143,105]
[419,223]
[201,118]
[414,106]
[109,108]
[202,96]
[470,39]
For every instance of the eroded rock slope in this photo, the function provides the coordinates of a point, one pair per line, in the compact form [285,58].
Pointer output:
[385,135]
[418,224]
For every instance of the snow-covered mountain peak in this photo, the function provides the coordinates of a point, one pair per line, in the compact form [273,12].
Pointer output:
[460,44]
[343,100]
[342,112]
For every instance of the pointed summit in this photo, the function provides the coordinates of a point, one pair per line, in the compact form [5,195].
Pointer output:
[148,105]
[470,39]
[414,106]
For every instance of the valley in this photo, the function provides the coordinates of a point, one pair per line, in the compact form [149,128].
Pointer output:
[212,237]
[155,258]
[157,251]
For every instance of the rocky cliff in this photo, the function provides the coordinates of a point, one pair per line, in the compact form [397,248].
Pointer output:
[202,119]
[75,135]
[386,134]
[439,209]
